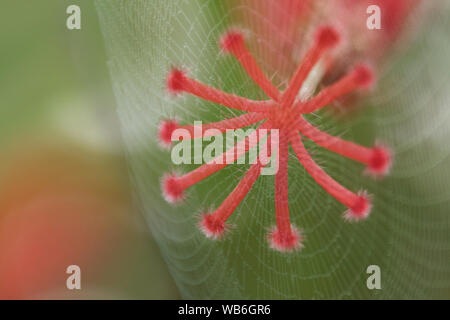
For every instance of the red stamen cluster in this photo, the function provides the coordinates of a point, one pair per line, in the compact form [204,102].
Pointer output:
[283,112]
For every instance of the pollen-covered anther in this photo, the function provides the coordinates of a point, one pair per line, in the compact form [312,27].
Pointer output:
[172,190]
[231,39]
[285,242]
[176,80]
[380,161]
[363,75]
[212,227]
[360,209]
[165,130]
[327,36]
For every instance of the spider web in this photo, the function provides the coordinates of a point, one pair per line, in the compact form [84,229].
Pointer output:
[407,234]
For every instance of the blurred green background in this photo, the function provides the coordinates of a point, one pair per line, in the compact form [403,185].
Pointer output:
[64,190]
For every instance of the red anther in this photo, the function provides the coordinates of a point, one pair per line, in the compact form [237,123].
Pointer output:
[165,130]
[363,76]
[173,191]
[285,243]
[327,36]
[231,39]
[380,161]
[175,81]
[212,227]
[360,209]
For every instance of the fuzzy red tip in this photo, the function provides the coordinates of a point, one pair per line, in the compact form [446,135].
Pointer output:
[211,227]
[165,130]
[172,191]
[327,36]
[285,243]
[360,209]
[175,80]
[364,76]
[380,162]
[230,39]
